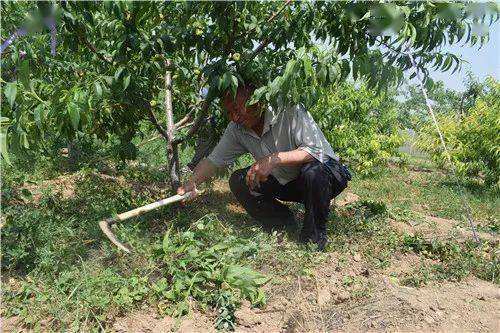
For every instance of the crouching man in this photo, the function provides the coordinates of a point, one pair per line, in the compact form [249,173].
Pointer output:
[293,162]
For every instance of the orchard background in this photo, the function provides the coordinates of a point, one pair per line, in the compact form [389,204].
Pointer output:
[106,106]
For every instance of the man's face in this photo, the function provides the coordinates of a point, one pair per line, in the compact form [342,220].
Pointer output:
[238,112]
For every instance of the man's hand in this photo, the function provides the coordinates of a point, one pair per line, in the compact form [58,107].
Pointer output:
[202,172]
[260,170]
[188,187]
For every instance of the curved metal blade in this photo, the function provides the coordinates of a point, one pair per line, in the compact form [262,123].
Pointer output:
[105,227]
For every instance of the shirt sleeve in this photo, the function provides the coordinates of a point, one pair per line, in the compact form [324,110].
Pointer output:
[228,149]
[307,134]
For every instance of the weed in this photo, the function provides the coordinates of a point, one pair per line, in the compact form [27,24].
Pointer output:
[201,261]
[226,305]
[452,261]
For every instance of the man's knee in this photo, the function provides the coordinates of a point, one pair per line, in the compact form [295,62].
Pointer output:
[237,180]
[313,173]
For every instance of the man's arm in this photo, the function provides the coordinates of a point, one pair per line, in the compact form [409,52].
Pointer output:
[202,172]
[224,154]
[294,157]
[261,169]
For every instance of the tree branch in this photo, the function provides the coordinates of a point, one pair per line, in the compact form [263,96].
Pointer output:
[155,122]
[186,118]
[168,102]
[92,48]
[197,123]
[185,125]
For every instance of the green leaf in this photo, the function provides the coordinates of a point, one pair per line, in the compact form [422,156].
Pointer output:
[10,92]
[332,73]
[447,63]
[257,94]
[322,73]
[289,69]
[39,116]
[224,81]
[301,52]
[118,72]
[23,139]
[98,89]
[74,114]
[3,140]
[126,82]
[234,84]
[24,73]
[166,241]
[244,277]
[308,69]
[367,15]
[69,16]
[109,80]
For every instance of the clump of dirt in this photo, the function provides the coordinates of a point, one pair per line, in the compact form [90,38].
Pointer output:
[63,185]
[402,263]
[345,199]
[250,319]
[150,321]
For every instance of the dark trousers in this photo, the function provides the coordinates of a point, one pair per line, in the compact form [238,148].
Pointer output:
[315,186]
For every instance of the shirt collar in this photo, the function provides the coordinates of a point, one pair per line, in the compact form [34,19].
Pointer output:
[270,118]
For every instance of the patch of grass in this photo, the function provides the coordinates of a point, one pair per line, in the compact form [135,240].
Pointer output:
[430,193]
[59,270]
[364,226]
[452,261]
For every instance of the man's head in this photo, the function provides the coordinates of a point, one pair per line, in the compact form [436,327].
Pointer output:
[237,111]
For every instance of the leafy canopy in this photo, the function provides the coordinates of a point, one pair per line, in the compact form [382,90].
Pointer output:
[111,56]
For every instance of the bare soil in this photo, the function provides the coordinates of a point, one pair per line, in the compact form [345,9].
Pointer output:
[322,303]
[432,227]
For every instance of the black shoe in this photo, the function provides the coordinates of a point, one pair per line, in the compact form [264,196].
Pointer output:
[321,240]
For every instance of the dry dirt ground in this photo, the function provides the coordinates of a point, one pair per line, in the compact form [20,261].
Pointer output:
[323,303]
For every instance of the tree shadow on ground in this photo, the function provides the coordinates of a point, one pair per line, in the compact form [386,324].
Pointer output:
[219,202]
[64,229]
[470,187]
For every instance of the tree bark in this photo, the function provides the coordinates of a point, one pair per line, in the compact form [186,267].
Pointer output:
[73,154]
[172,147]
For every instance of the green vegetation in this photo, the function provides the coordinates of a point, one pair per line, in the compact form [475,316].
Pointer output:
[86,90]
[472,138]
[361,125]
[207,256]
